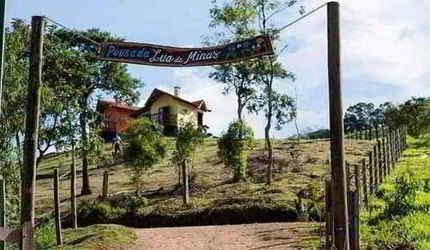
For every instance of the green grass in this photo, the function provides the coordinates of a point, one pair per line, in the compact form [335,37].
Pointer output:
[211,193]
[211,186]
[410,228]
[93,237]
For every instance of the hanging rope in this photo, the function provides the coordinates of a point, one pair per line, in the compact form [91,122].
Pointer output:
[71,30]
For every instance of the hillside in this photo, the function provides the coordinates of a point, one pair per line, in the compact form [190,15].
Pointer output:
[299,170]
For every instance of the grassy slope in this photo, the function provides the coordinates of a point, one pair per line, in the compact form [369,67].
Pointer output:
[414,227]
[95,237]
[211,188]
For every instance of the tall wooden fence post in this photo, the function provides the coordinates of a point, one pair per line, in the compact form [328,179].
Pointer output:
[57,208]
[384,157]
[348,177]
[371,169]
[2,210]
[388,153]
[28,185]
[105,185]
[364,178]
[380,163]
[375,167]
[329,240]
[354,214]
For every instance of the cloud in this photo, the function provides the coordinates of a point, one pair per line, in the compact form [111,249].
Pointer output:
[385,57]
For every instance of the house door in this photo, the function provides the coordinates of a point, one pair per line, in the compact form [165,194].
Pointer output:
[200,119]
[164,115]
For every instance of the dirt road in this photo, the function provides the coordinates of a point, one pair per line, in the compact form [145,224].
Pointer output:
[272,236]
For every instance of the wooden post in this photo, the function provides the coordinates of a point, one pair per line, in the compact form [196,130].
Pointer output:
[73,190]
[354,215]
[364,178]
[393,151]
[347,176]
[57,208]
[336,128]
[2,210]
[105,185]
[377,132]
[2,38]
[375,167]
[357,176]
[186,196]
[329,215]
[360,135]
[380,161]
[384,157]
[370,134]
[371,180]
[388,153]
[28,186]
[397,145]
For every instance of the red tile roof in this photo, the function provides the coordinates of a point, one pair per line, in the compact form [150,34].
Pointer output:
[103,104]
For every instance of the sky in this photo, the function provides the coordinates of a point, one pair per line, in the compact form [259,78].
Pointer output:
[384,47]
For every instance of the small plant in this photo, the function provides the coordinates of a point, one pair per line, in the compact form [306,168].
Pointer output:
[145,147]
[402,200]
[188,139]
[233,146]
[295,162]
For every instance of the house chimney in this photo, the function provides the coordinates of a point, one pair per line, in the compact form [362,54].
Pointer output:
[177,91]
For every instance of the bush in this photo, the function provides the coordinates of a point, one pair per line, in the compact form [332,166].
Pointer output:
[233,146]
[100,211]
[402,200]
[145,147]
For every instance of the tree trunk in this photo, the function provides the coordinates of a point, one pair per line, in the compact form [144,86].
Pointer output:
[270,153]
[239,109]
[185,183]
[85,178]
[73,189]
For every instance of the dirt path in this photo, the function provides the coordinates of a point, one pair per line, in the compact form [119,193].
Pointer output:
[273,236]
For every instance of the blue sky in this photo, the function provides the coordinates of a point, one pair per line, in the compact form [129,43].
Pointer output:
[385,50]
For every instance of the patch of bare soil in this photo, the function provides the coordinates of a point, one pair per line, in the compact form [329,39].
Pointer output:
[273,236]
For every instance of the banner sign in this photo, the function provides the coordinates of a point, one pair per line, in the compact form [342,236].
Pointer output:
[156,55]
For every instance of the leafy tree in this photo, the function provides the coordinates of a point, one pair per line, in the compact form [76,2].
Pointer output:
[187,140]
[245,18]
[144,148]
[414,113]
[363,116]
[233,146]
[90,77]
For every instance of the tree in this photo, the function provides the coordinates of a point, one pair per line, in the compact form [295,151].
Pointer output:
[233,146]
[363,116]
[414,113]
[90,76]
[246,18]
[144,148]
[238,79]
[187,140]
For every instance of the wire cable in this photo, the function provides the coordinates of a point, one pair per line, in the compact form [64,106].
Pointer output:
[71,30]
[300,18]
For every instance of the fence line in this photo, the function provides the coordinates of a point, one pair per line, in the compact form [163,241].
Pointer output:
[380,163]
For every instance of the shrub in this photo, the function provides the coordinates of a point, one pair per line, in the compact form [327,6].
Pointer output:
[233,146]
[145,147]
[402,200]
